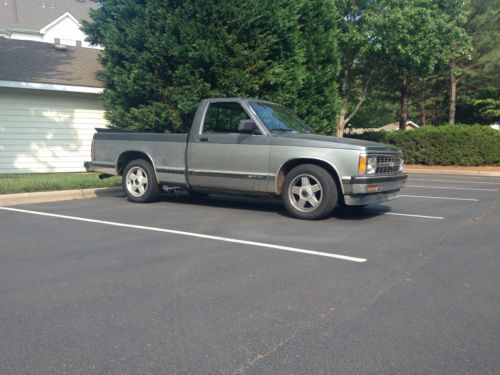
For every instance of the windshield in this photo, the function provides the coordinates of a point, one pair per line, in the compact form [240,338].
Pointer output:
[277,118]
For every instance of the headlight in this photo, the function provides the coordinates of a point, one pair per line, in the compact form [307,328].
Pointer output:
[401,164]
[367,164]
[371,164]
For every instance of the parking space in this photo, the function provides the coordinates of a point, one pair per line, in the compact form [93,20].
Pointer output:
[235,285]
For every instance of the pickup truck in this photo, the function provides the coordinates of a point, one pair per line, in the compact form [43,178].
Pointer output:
[252,147]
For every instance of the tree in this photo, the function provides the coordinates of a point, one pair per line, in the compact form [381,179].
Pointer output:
[161,57]
[412,38]
[318,98]
[480,22]
[359,63]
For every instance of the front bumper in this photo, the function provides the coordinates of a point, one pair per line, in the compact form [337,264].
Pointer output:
[360,190]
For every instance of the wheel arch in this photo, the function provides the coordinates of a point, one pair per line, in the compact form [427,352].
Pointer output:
[292,163]
[129,155]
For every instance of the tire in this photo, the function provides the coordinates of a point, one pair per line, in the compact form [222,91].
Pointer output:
[309,192]
[139,182]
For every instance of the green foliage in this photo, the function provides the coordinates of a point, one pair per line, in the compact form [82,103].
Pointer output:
[397,45]
[361,70]
[317,101]
[445,145]
[380,109]
[413,36]
[487,109]
[477,67]
[162,57]
[479,93]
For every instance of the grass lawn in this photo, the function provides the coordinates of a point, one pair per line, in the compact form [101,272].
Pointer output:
[29,182]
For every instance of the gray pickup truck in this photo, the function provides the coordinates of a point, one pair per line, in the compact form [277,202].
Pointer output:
[251,147]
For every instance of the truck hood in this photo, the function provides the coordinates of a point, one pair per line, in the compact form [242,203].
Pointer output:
[316,140]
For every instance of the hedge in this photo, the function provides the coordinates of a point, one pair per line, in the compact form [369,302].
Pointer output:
[444,145]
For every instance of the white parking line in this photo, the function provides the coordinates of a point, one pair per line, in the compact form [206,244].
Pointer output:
[191,234]
[449,187]
[411,215]
[467,182]
[428,197]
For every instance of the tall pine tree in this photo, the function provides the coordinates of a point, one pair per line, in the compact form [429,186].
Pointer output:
[161,57]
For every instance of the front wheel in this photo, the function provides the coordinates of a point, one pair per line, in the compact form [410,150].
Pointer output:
[139,182]
[309,192]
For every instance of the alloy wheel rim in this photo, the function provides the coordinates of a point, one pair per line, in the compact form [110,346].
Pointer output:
[305,193]
[137,181]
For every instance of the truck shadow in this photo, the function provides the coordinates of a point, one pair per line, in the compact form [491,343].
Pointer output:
[271,205]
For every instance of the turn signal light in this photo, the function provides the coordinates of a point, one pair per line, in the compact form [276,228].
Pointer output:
[362,164]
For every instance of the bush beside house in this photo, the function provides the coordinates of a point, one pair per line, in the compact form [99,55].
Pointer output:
[444,145]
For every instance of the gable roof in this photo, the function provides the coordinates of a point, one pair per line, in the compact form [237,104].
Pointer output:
[36,14]
[27,61]
[59,19]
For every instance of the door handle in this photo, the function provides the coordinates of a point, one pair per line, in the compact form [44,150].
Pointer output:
[203,139]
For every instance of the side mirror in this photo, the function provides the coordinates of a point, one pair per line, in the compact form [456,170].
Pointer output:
[248,127]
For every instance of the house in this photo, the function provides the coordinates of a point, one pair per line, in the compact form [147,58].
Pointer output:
[49,106]
[49,21]
[393,126]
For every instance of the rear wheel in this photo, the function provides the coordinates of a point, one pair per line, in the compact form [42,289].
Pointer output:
[309,192]
[139,182]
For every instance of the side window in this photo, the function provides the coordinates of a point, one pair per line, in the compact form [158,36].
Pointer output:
[224,117]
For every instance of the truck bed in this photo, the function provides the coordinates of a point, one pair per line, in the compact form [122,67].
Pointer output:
[166,151]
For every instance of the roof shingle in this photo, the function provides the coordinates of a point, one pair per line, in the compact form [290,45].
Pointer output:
[36,14]
[27,61]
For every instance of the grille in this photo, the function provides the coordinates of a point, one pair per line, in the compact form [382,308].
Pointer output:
[387,164]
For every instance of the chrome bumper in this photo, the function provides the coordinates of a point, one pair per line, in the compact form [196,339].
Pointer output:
[360,190]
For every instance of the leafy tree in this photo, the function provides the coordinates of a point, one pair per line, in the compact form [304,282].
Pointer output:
[466,53]
[360,67]
[476,20]
[480,98]
[412,38]
[161,57]
[318,99]
[380,108]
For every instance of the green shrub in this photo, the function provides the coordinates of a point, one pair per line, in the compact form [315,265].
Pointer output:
[444,145]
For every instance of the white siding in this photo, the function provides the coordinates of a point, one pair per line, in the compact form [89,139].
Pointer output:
[42,131]
[67,30]
[26,36]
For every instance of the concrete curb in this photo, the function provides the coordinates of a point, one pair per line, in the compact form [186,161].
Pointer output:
[457,172]
[53,196]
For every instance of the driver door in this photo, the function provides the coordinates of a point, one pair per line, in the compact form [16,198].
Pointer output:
[221,158]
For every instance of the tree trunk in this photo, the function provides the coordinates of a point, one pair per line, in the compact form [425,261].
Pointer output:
[423,109]
[453,94]
[403,118]
[343,106]
[341,119]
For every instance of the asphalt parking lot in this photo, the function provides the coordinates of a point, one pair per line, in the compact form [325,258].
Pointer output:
[234,285]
